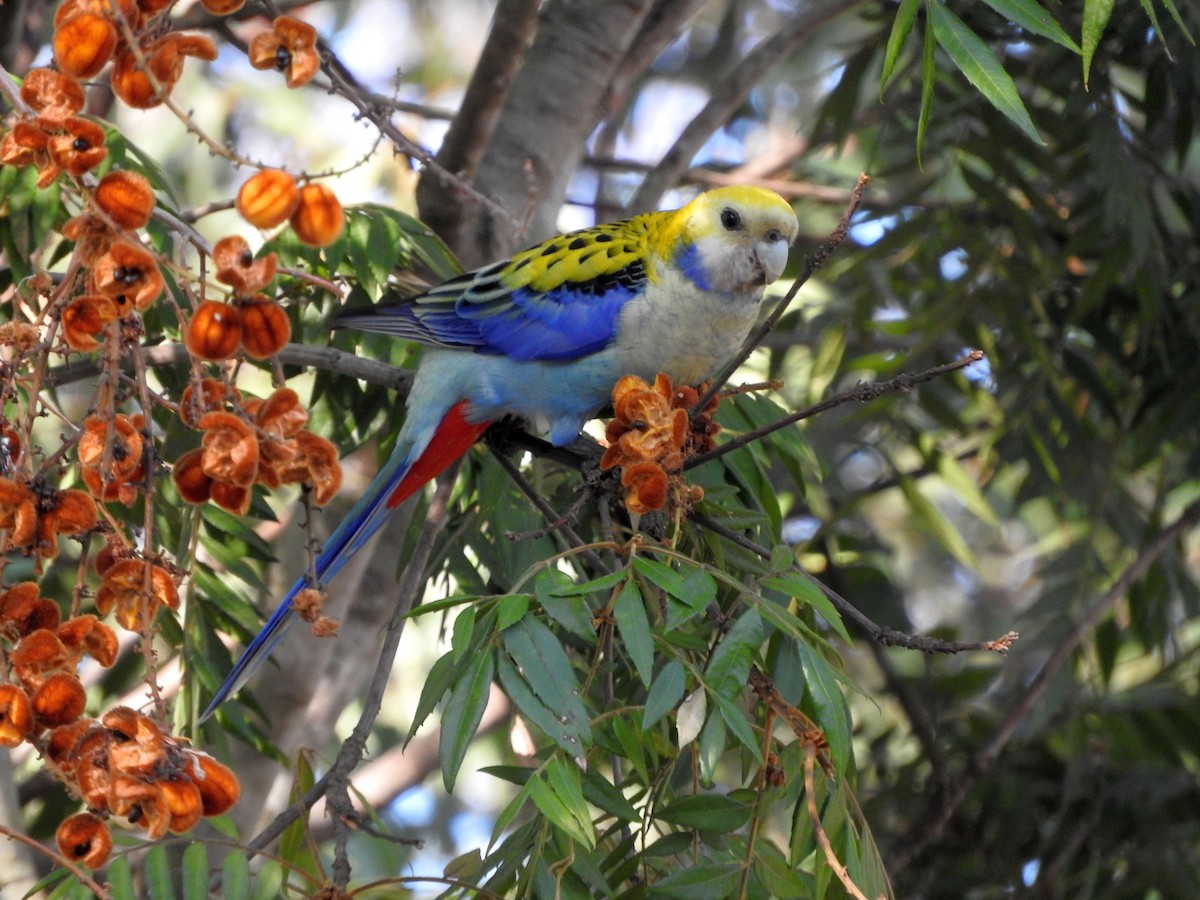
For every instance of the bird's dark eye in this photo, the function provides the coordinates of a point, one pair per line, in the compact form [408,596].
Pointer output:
[773,235]
[730,219]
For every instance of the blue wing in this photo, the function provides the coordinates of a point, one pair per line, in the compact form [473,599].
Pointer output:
[558,301]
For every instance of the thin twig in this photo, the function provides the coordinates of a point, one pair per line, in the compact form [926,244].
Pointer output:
[335,784]
[889,637]
[863,392]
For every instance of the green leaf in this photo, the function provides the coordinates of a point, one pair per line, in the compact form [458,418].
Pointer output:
[735,717]
[831,705]
[535,711]
[156,874]
[804,590]
[120,879]
[662,575]
[665,693]
[1174,11]
[928,79]
[979,64]
[559,809]
[461,634]
[548,672]
[634,626]
[235,876]
[729,666]
[706,812]
[195,871]
[268,881]
[554,591]
[464,711]
[511,609]
[705,882]
[1033,17]
[1096,14]
[901,28]
[925,512]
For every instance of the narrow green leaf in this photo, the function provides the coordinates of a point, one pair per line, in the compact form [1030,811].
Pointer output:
[979,64]
[437,682]
[461,633]
[563,777]
[1171,8]
[563,586]
[634,627]
[707,882]
[156,874]
[235,877]
[928,80]
[1096,14]
[663,576]
[665,693]
[716,813]
[462,715]
[566,735]
[823,687]
[598,791]
[901,28]
[1035,18]
[805,591]
[570,610]
[553,808]
[195,871]
[511,609]
[548,672]
[735,717]
[120,879]
[268,882]
[729,666]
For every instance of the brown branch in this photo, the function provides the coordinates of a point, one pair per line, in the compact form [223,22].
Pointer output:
[330,359]
[334,786]
[729,93]
[928,828]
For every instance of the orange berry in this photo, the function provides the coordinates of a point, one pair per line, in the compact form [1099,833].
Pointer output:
[265,327]
[215,331]
[268,198]
[83,44]
[318,218]
[126,197]
[84,838]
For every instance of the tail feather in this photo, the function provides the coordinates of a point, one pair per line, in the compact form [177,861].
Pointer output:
[396,482]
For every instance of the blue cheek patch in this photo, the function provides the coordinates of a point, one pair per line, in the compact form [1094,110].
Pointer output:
[689,262]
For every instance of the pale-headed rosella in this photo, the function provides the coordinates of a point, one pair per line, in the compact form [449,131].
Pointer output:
[546,334]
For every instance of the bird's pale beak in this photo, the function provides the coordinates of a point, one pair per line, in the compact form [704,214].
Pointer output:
[772,257]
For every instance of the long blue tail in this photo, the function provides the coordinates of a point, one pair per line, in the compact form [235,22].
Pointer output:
[395,483]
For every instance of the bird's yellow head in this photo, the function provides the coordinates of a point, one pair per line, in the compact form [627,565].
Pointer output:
[735,239]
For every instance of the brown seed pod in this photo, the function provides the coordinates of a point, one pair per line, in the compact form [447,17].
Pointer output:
[215,331]
[126,197]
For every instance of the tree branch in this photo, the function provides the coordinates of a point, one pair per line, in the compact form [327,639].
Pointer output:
[729,95]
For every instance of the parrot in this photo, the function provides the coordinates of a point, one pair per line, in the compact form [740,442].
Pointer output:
[545,335]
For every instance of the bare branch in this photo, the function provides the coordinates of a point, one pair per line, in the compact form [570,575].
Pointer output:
[731,91]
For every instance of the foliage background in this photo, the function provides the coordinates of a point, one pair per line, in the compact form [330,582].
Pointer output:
[1048,491]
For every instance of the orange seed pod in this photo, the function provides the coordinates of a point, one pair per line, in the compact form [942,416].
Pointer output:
[126,197]
[16,715]
[83,44]
[265,327]
[268,198]
[318,219]
[84,838]
[214,331]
